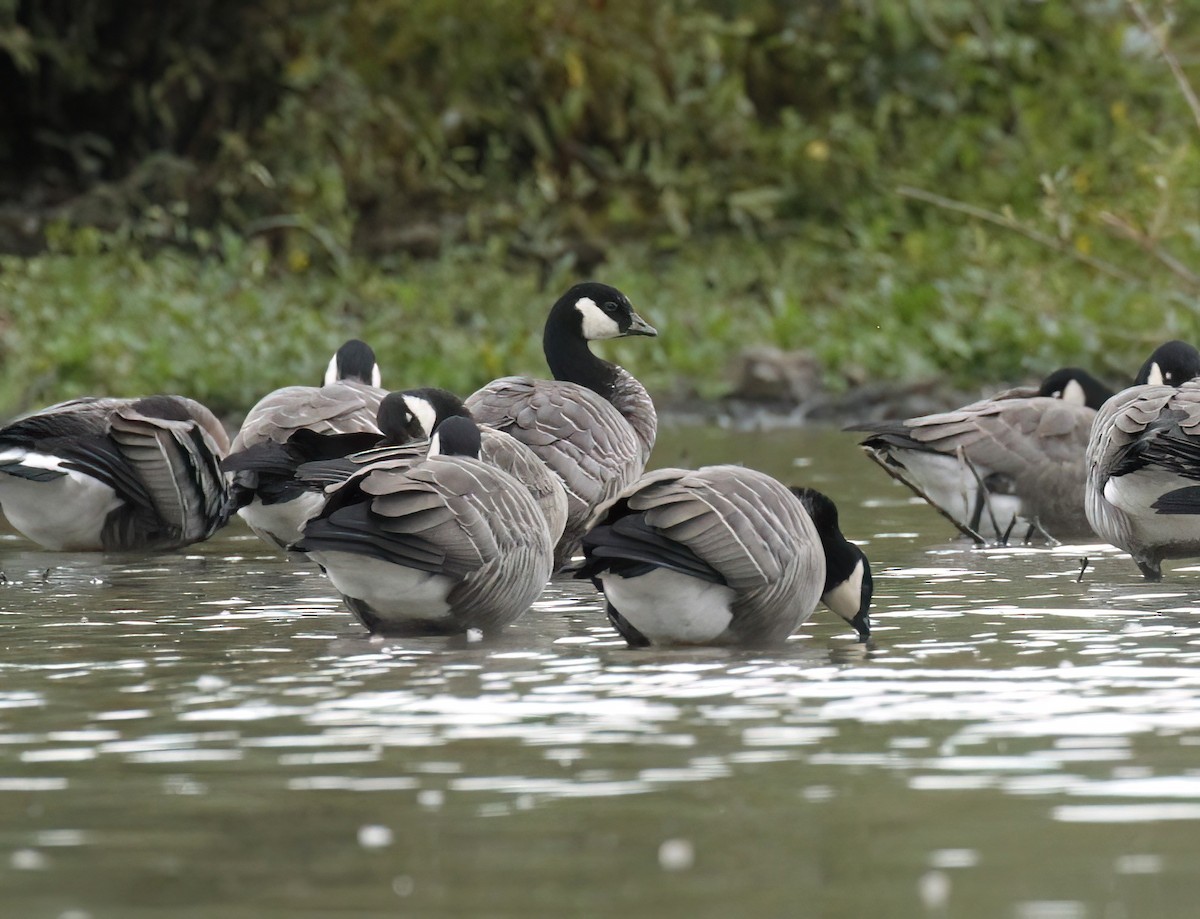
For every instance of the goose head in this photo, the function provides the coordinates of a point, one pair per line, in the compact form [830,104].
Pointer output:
[432,406]
[456,436]
[593,311]
[1075,386]
[848,584]
[353,361]
[1171,364]
[398,423]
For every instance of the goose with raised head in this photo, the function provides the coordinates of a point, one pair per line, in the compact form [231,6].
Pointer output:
[1143,462]
[295,425]
[594,424]
[1015,459]
[447,544]
[722,555]
[115,474]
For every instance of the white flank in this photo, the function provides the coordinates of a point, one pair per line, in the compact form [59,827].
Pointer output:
[395,594]
[951,485]
[67,512]
[1133,495]
[671,608]
[596,323]
[282,523]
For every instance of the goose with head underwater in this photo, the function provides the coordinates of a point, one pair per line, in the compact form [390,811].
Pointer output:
[722,555]
[115,474]
[299,424]
[447,544]
[1016,458]
[1143,462]
[594,424]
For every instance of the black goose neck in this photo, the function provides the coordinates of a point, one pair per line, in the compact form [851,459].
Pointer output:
[570,359]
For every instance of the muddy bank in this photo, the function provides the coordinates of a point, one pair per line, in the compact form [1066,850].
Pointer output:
[775,388]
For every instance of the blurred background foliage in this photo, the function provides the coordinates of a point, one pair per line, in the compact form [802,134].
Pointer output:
[206,196]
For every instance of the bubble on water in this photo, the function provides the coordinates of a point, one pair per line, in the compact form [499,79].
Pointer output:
[431,797]
[474,635]
[676,854]
[374,836]
[403,885]
[28,860]
[1050,909]
[933,887]
[1138,864]
[953,858]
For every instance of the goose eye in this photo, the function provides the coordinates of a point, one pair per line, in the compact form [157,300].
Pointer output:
[609,307]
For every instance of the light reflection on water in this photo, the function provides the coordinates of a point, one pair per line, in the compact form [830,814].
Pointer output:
[209,733]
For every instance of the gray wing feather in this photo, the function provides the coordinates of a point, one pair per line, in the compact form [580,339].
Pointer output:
[580,436]
[518,460]
[177,461]
[344,407]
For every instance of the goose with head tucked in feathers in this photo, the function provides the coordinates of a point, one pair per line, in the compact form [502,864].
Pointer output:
[114,474]
[722,555]
[299,424]
[1015,458]
[1143,462]
[594,424]
[407,420]
[447,544]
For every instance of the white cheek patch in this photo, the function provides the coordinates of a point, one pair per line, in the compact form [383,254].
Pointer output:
[846,598]
[331,372]
[1155,377]
[435,445]
[596,323]
[424,411]
[1074,394]
[376,376]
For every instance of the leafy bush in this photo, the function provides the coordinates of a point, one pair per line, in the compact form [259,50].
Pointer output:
[398,124]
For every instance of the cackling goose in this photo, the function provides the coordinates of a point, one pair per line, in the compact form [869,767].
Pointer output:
[1016,457]
[299,424]
[1143,462]
[594,424]
[722,555]
[447,544]
[114,474]
[417,412]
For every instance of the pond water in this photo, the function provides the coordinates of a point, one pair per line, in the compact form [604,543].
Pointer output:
[209,733]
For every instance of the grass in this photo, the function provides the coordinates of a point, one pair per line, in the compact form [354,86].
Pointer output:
[959,304]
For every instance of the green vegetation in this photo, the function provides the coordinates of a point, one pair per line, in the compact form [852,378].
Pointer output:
[215,214]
